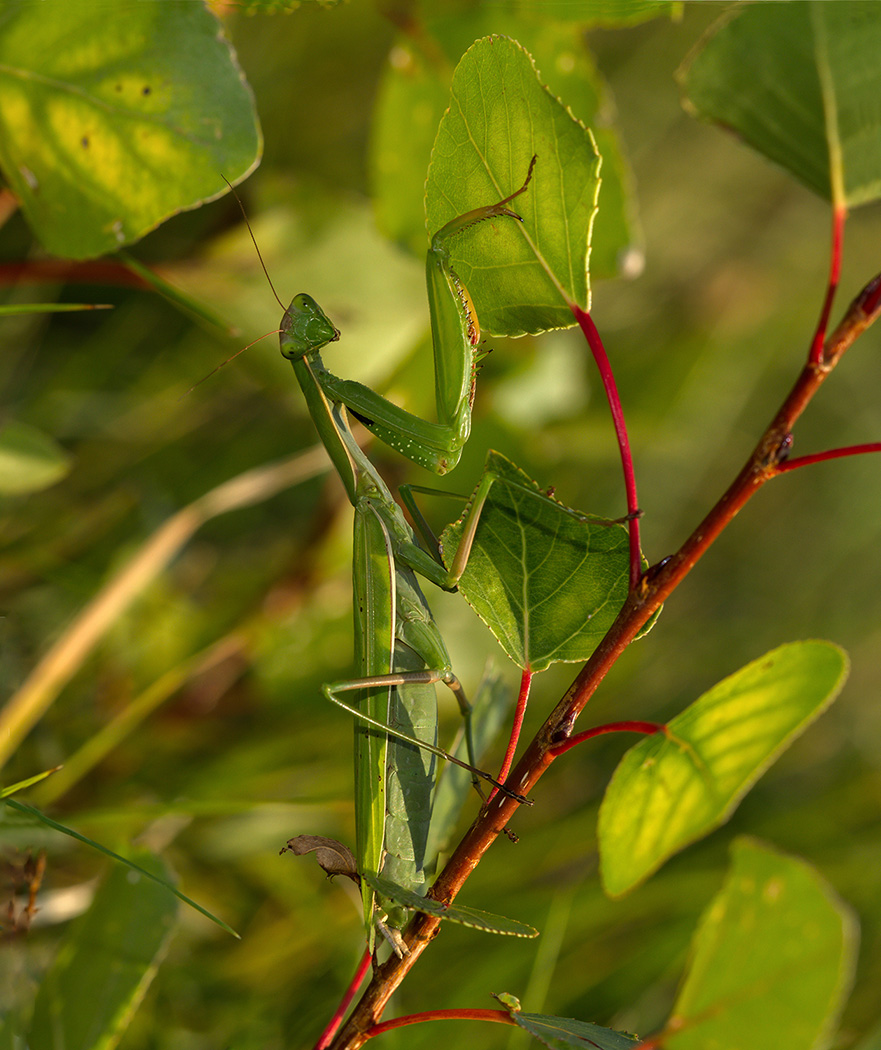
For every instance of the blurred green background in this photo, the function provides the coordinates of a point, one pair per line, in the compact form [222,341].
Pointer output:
[245,753]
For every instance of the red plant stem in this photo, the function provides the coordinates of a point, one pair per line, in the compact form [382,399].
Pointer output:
[654,587]
[333,1024]
[608,380]
[832,453]
[45,271]
[519,712]
[497,1016]
[839,217]
[647,728]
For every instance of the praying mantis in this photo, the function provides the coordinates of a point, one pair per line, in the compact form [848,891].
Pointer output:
[400,653]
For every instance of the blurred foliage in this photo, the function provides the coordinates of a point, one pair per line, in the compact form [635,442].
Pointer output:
[245,753]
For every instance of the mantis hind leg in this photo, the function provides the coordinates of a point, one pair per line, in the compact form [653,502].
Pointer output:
[403,678]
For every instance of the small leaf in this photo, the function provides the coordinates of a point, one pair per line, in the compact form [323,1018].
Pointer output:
[670,790]
[474,917]
[29,460]
[333,856]
[108,126]
[106,963]
[561,1032]
[500,116]
[801,83]
[771,962]
[546,580]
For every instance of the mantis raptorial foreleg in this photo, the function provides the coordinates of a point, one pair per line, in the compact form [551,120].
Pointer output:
[455,334]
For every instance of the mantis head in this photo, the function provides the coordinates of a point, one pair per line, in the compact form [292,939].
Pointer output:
[305,328]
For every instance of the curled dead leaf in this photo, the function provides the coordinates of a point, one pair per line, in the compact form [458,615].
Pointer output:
[333,856]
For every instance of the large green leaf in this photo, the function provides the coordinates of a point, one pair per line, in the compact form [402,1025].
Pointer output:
[801,83]
[109,125]
[771,961]
[670,790]
[106,963]
[546,580]
[415,92]
[501,115]
[561,1032]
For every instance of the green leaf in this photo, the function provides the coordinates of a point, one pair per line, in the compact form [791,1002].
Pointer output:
[560,1032]
[474,917]
[29,460]
[106,963]
[415,92]
[501,115]
[108,126]
[670,790]
[771,961]
[40,818]
[801,83]
[546,580]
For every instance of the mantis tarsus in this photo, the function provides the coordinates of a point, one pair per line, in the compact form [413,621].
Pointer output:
[399,651]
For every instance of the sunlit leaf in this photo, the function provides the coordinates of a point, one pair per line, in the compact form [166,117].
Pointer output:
[547,581]
[670,790]
[106,963]
[801,83]
[108,126]
[561,1032]
[771,962]
[458,913]
[501,115]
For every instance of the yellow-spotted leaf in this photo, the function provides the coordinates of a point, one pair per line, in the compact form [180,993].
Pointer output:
[112,121]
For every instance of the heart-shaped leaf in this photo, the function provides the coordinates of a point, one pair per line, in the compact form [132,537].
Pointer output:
[500,115]
[546,580]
